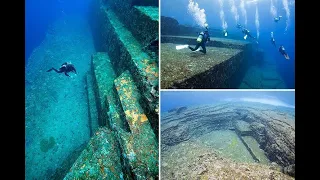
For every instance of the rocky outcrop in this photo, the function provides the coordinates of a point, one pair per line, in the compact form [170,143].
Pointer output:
[190,160]
[169,26]
[272,128]
[259,132]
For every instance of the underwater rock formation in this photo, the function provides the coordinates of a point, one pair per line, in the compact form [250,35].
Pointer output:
[100,159]
[224,63]
[190,160]
[265,131]
[169,26]
[125,85]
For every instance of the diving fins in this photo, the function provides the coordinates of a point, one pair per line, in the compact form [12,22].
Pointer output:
[182,47]
[286,56]
[245,37]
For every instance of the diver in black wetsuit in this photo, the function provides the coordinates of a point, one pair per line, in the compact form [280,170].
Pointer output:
[283,52]
[246,33]
[202,39]
[65,68]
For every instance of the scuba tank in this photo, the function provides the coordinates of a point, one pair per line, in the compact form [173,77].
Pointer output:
[200,37]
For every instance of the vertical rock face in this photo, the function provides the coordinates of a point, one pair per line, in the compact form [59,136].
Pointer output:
[275,132]
[125,85]
[259,133]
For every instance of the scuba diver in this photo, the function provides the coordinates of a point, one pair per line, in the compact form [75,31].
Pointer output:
[239,26]
[225,33]
[283,52]
[202,39]
[65,68]
[246,33]
[273,41]
[276,19]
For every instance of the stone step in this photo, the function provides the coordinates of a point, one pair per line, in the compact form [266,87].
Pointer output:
[99,160]
[141,145]
[92,106]
[141,19]
[108,106]
[242,128]
[255,149]
[126,54]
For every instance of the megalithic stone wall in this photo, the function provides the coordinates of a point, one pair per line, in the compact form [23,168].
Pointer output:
[125,86]
[126,53]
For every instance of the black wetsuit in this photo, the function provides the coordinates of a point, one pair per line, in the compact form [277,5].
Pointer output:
[282,51]
[65,68]
[205,38]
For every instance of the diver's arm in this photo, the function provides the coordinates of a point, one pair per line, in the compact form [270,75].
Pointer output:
[66,74]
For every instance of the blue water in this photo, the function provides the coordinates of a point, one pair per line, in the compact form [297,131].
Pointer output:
[178,9]
[173,99]
[56,31]
[40,14]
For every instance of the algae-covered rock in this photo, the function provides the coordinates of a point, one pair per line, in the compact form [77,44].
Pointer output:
[99,160]
[47,144]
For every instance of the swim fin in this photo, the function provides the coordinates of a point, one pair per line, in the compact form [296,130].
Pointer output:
[181,47]
[286,56]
